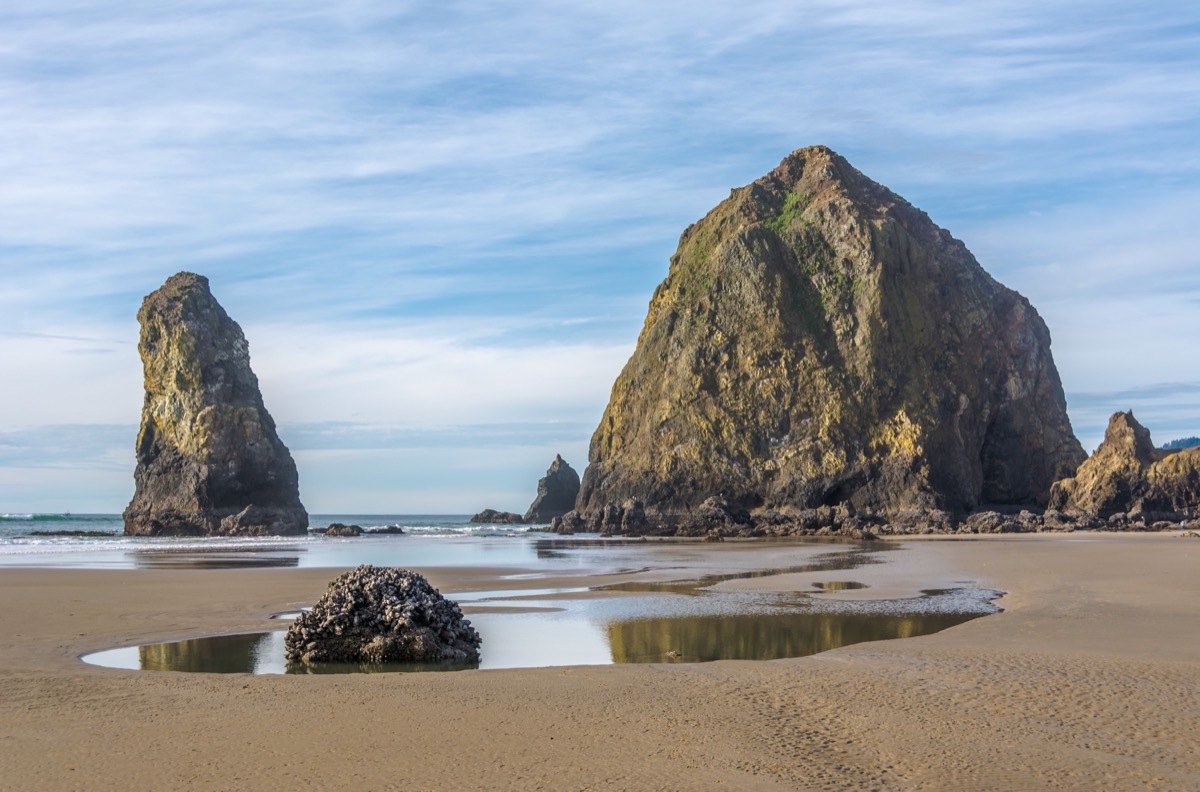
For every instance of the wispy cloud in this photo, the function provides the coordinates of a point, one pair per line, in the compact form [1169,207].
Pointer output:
[455,215]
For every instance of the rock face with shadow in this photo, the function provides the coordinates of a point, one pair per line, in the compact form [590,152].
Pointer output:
[819,342]
[1128,476]
[382,615]
[209,461]
[556,493]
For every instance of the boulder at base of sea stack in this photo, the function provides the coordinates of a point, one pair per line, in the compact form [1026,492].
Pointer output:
[209,461]
[819,342]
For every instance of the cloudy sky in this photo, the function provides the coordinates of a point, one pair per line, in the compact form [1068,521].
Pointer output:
[439,224]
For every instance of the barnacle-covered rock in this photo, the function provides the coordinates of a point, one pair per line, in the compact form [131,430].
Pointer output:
[382,615]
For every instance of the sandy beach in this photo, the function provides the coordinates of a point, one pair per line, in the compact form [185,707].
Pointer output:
[1089,679]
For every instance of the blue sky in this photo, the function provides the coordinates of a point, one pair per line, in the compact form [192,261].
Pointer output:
[439,225]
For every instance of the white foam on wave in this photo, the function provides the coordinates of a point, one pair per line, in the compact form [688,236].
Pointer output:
[477,529]
[35,545]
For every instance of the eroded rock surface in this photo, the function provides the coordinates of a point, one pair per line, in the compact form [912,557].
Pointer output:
[382,615]
[1127,476]
[209,460]
[556,493]
[819,342]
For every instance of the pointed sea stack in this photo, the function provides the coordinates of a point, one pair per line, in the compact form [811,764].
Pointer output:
[556,493]
[818,342]
[209,462]
[1128,475]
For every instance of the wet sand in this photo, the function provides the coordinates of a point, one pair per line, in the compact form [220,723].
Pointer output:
[1090,679]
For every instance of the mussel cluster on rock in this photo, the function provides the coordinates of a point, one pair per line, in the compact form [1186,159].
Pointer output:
[382,615]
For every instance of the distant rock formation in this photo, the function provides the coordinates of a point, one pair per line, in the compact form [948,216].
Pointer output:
[382,615]
[498,517]
[209,461]
[556,493]
[1127,475]
[819,342]
[343,530]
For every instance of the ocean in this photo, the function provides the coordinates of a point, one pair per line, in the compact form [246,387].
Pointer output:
[650,620]
[428,540]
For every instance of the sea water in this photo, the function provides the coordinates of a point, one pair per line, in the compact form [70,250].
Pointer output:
[428,541]
[656,619]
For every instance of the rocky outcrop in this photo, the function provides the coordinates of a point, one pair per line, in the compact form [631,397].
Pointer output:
[382,615]
[387,530]
[343,530]
[819,342]
[498,517]
[209,461]
[1127,476]
[556,493]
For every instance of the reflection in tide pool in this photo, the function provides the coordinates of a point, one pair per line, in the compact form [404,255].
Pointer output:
[528,640]
[696,639]
[220,654]
[674,628]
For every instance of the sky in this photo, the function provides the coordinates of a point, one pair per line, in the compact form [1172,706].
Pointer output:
[439,224]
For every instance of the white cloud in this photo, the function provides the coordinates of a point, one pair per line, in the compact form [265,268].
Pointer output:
[411,209]
[420,377]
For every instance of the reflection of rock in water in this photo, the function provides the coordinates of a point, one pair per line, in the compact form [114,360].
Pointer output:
[222,654]
[840,585]
[762,637]
[176,560]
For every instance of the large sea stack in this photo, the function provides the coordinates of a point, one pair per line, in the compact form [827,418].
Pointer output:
[209,461]
[819,342]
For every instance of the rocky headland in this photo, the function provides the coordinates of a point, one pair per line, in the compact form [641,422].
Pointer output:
[209,460]
[823,358]
[1128,480]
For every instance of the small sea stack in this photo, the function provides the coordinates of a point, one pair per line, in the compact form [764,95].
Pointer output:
[209,460]
[1128,477]
[556,493]
[382,615]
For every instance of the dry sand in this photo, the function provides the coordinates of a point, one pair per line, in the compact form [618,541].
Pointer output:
[1089,680]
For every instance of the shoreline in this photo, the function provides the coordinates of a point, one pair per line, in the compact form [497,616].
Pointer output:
[1087,679]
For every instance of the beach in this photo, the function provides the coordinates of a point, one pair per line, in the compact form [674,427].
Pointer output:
[1088,679]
